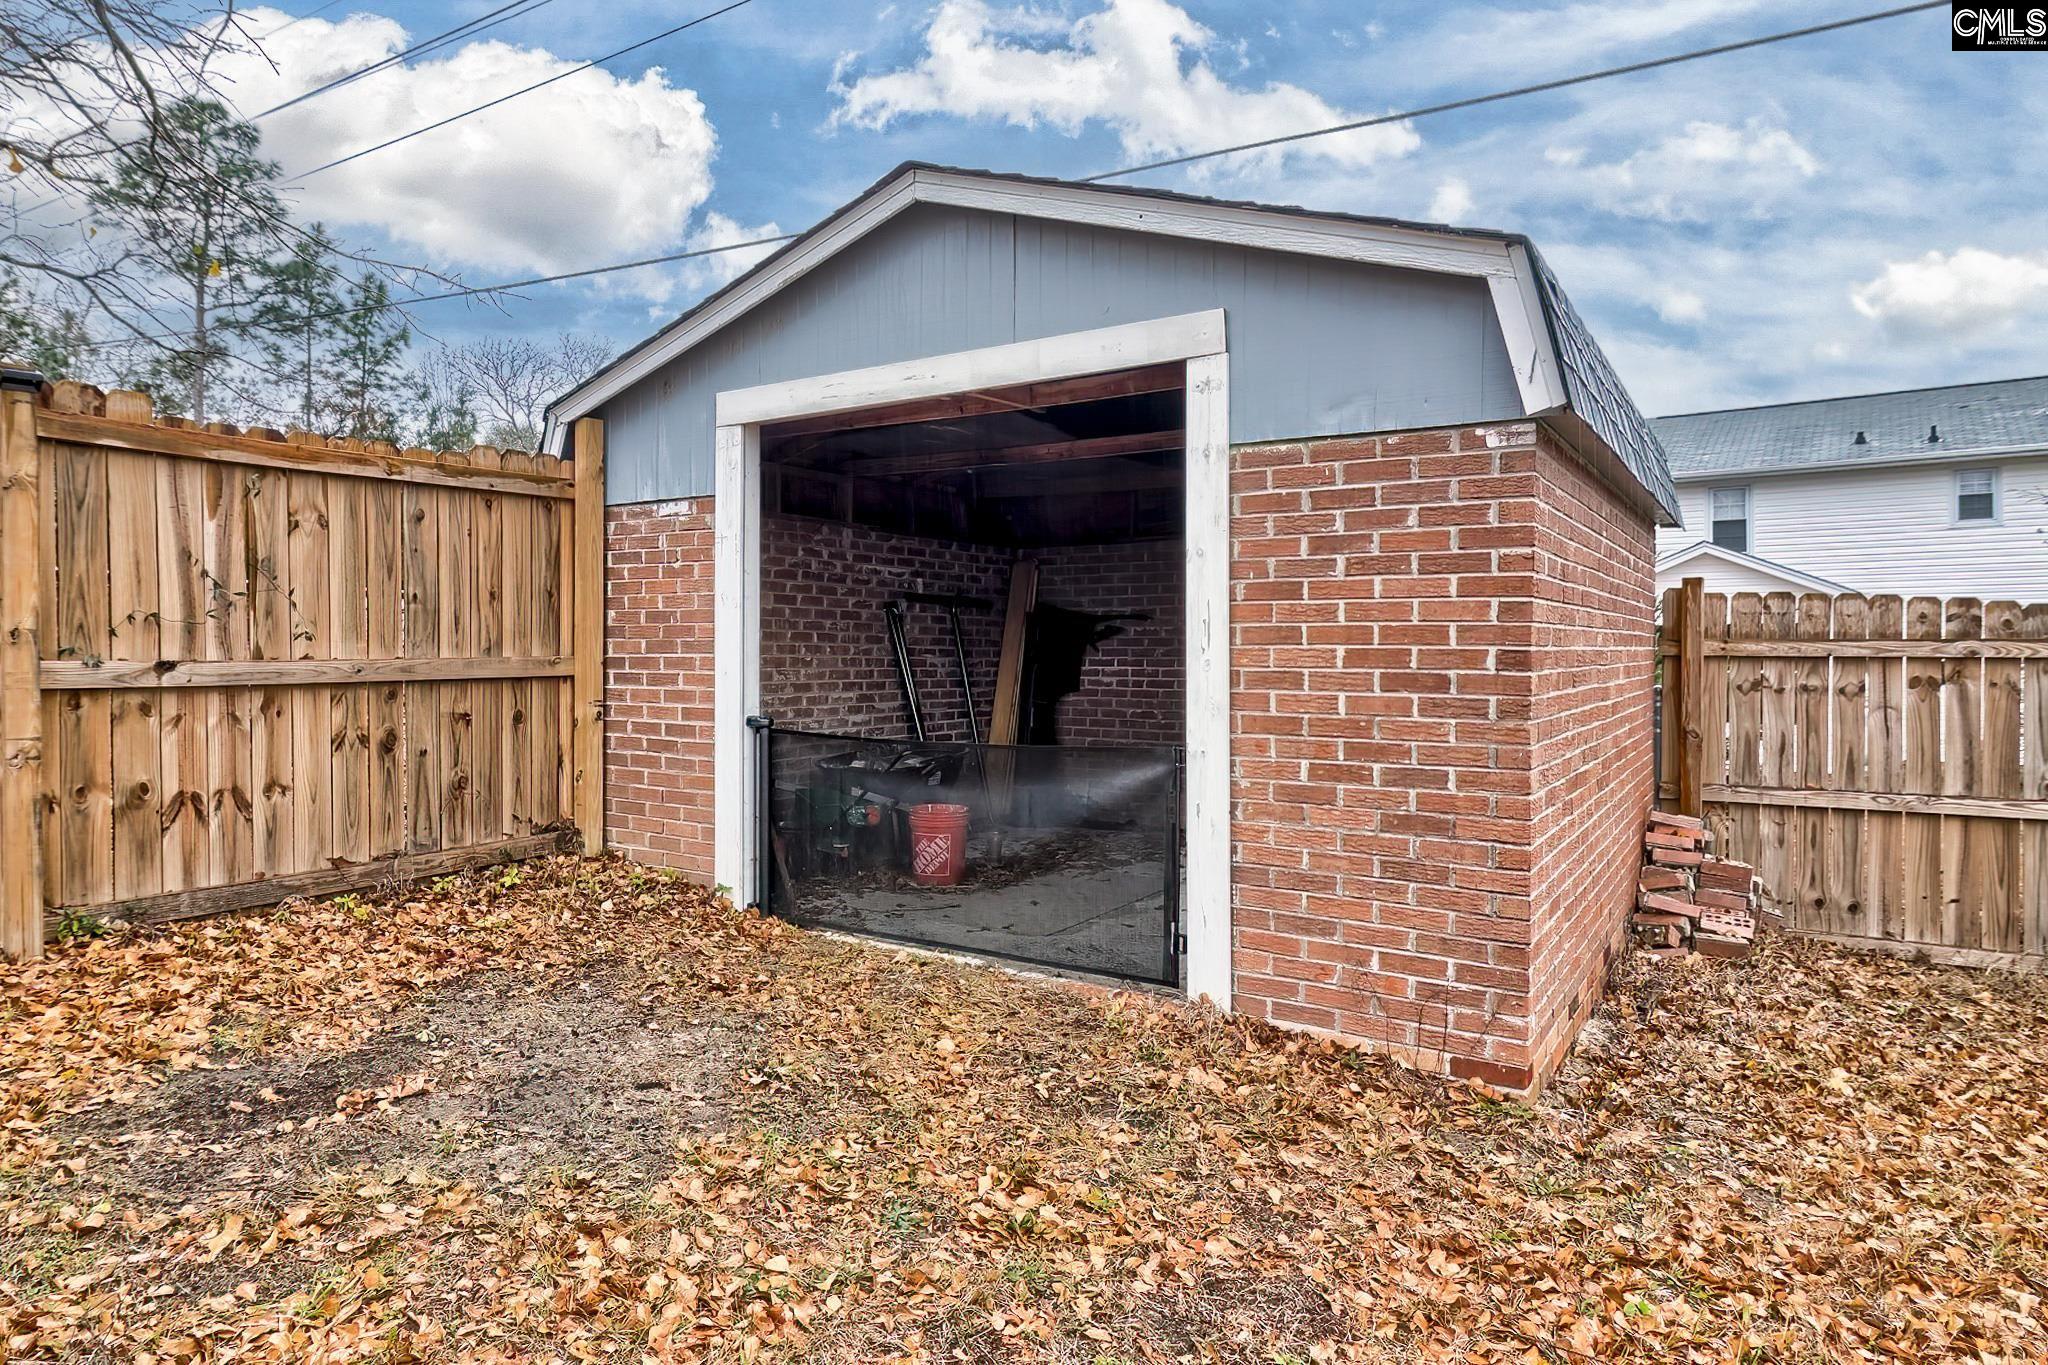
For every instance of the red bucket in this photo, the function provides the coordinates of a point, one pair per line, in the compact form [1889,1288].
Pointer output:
[938,844]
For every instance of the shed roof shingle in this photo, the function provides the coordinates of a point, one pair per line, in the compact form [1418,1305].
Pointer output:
[2003,414]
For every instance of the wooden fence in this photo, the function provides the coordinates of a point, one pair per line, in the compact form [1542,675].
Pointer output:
[1882,762]
[239,666]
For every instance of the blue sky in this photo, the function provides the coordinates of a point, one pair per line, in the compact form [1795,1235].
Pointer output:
[1857,211]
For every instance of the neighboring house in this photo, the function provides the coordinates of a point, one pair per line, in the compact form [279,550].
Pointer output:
[1729,570]
[1938,492]
[1379,513]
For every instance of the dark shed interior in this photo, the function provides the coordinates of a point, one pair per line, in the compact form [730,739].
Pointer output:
[999,566]
[928,510]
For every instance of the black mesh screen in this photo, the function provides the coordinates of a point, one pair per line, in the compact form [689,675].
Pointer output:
[1066,856]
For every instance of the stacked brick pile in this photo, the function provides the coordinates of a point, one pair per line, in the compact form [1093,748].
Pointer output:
[1688,900]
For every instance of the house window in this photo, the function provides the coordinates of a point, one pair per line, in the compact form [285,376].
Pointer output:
[1728,508]
[1976,495]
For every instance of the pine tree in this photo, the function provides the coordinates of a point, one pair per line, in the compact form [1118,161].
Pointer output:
[295,321]
[368,390]
[197,202]
[440,422]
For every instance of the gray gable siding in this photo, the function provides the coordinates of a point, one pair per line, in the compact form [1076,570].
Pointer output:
[1317,347]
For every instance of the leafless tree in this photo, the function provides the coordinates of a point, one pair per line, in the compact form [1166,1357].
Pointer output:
[95,102]
[87,86]
[507,381]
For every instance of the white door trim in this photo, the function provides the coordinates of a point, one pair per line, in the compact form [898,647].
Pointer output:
[1194,338]
[1153,342]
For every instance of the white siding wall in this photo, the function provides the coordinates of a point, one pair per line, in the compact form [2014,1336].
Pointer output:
[1890,530]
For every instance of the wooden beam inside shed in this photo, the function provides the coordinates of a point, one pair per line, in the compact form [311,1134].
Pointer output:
[1093,448]
[1021,397]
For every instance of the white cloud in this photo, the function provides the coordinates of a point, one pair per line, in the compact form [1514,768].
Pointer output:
[1965,293]
[1451,202]
[1681,305]
[1133,66]
[1473,40]
[592,168]
[1709,170]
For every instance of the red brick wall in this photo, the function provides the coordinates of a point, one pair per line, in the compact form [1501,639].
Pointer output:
[1400,606]
[825,657]
[658,681]
[1134,687]
[1594,648]
[1441,652]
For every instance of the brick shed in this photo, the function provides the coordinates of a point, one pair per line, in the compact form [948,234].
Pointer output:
[1371,513]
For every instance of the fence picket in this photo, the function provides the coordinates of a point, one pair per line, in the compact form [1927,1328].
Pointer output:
[519,581]
[458,640]
[1884,755]
[1807,836]
[180,497]
[1715,729]
[1991,848]
[2033,908]
[224,569]
[312,707]
[1747,681]
[271,750]
[488,698]
[133,603]
[1922,832]
[1962,721]
[1778,752]
[421,723]
[349,575]
[1845,894]
[1714,693]
[230,800]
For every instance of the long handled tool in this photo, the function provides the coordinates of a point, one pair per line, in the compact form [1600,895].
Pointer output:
[952,602]
[901,648]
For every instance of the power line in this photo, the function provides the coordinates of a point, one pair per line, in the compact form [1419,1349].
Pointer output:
[1694,55]
[526,90]
[1560,84]
[469,29]
[476,291]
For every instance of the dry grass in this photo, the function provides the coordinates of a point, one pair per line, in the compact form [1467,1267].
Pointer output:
[581,1113]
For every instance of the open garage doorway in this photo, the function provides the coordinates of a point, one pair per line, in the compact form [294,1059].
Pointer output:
[972,645]
[1061,452]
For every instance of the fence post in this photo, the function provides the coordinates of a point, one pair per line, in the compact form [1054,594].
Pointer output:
[1691,683]
[586,754]
[21,697]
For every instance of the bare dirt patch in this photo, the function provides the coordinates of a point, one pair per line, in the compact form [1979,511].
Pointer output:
[494,1078]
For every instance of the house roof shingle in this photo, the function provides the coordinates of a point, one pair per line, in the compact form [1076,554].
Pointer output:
[1999,415]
